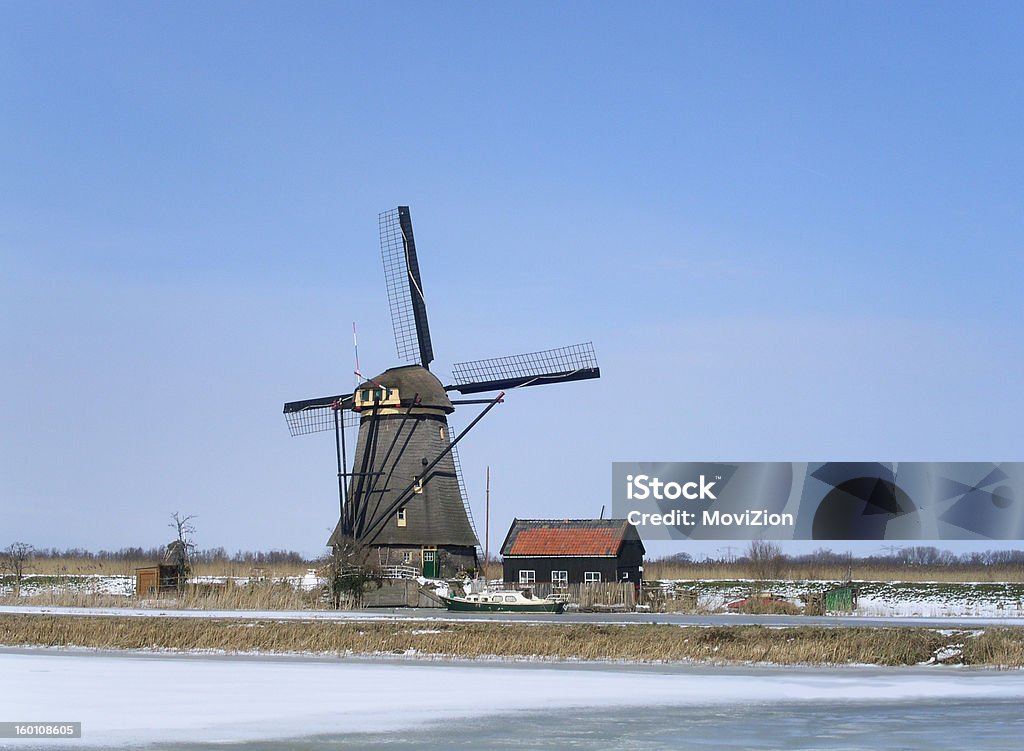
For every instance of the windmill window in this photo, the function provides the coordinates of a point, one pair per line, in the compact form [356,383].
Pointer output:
[527,577]
[401,517]
[441,432]
[418,487]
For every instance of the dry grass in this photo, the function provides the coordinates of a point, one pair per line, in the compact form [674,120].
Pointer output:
[493,570]
[664,570]
[996,646]
[653,570]
[264,595]
[261,595]
[649,642]
[70,599]
[122,567]
[83,567]
[759,606]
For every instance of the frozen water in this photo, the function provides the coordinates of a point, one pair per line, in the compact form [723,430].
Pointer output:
[124,700]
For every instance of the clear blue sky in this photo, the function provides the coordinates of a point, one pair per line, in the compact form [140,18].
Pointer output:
[792,230]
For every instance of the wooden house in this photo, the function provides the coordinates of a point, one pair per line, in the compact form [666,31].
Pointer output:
[572,551]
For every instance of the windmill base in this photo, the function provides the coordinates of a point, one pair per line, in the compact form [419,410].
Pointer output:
[400,593]
[431,561]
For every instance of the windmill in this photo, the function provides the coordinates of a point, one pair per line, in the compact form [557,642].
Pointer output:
[404,496]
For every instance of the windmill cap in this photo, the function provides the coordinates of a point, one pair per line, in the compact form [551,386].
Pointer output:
[411,380]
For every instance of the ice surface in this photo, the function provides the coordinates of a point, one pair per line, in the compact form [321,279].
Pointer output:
[124,699]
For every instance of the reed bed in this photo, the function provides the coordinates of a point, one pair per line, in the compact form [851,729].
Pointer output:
[124,567]
[653,570]
[804,645]
[995,646]
[71,599]
[262,595]
[665,570]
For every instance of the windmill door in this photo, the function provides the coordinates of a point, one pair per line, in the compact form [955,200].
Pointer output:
[430,568]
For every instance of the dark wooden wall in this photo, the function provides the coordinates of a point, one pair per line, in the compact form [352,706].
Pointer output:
[629,560]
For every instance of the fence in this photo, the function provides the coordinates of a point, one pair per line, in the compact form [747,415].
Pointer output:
[588,596]
[399,572]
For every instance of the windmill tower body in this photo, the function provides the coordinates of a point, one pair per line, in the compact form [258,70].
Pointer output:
[403,496]
[403,428]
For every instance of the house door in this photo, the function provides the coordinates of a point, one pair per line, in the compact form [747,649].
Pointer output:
[430,568]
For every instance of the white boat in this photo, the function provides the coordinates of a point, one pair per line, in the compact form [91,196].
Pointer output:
[502,601]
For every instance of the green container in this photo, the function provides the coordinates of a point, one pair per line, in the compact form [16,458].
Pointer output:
[840,598]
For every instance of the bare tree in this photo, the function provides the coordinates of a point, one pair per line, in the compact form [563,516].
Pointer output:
[765,559]
[181,550]
[350,570]
[14,559]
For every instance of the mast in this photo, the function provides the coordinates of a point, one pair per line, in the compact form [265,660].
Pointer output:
[487,523]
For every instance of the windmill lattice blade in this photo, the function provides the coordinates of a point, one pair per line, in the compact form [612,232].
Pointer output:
[465,499]
[405,288]
[316,415]
[573,363]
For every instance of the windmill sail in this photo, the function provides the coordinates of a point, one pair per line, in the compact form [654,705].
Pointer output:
[405,288]
[405,496]
[574,363]
[465,496]
[316,415]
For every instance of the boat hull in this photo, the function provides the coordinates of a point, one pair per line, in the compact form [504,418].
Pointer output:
[463,606]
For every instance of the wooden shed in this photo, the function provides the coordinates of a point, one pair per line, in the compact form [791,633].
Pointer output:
[842,599]
[151,581]
[572,551]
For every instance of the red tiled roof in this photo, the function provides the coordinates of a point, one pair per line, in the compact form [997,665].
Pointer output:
[563,541]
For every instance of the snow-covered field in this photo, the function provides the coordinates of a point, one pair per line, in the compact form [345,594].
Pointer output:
[439,615]
[879,599]
[124,586]
[93,584]
[130,699]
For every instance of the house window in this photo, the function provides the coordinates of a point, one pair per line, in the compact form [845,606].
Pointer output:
[527,577]
[625,575]
[407,556]
[592,576]
[401,517]
[560,578]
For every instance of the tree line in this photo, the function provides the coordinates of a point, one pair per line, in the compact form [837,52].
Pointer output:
[209,555]
[915,555]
